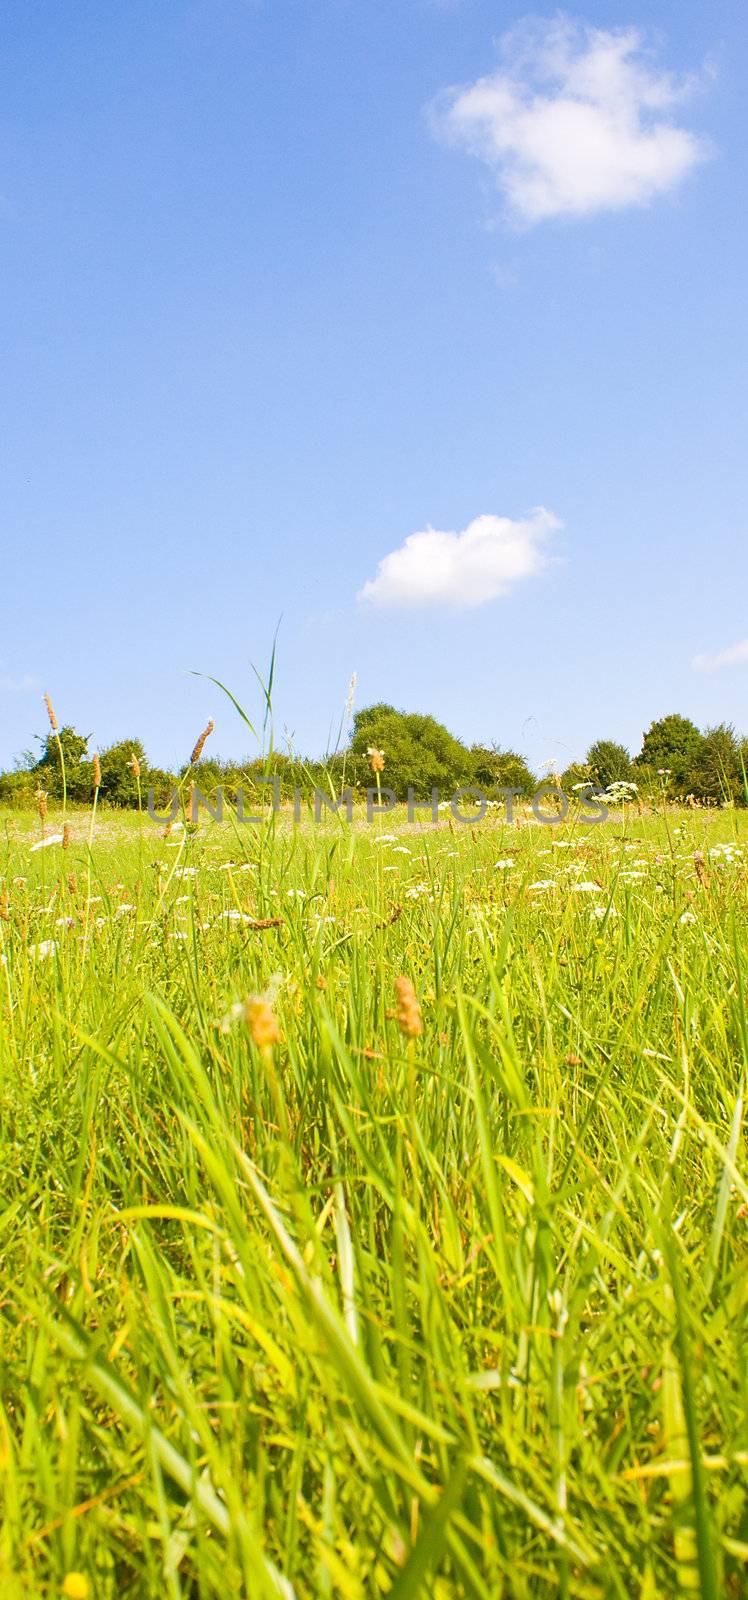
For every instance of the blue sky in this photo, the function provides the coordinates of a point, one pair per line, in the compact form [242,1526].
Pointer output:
[274,300]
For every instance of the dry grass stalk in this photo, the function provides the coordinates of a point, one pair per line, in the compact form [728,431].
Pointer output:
[701,872]
[199,747]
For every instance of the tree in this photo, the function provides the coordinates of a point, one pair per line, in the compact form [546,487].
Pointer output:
[715,772]
[609,763]
[575,775]
[669,748]
[48,770]
[119,784]
[491,768]
[419,752]
[17,789]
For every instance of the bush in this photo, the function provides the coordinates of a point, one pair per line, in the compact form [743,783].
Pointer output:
[716,771]
[78,771]
[669,749]
[18,789]
[420,753]
[609,763]
[119,786]
[503,769]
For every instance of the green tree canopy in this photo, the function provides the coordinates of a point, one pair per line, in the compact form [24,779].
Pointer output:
[118,782]
[491,767]
[715,772]
[609,763]
[419,752]
[48,770]
[670,746]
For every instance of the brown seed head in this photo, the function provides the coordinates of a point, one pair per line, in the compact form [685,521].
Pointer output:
[701,872]
[376,759]
[50,713]
[134,765]
[198,750]
[408,1013]
[41,803]
[262,1023]
[66,836]
[4,905]
[96,773]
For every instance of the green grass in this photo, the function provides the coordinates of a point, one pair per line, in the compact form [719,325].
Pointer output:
[462,1315]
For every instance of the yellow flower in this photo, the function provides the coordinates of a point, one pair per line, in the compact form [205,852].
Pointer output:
[76,1586]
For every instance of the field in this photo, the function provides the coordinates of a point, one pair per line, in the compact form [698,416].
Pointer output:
[348,1292]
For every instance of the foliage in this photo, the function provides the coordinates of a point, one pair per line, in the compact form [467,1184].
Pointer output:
[329,1311]
[669,748]
[609,763]
[714,773]
[17,788]
[503,769]
[420,753]
[119,785]
[48,769]
[575,775]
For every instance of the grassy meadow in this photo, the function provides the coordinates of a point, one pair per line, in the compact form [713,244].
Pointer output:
[313,1286]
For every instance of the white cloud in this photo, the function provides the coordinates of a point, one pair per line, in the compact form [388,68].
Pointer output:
[722,658]
[462,570]
[576,120]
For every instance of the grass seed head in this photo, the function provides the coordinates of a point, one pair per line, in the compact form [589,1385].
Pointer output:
[96,773]
[376,758]
[66,836]
[199,747]
[408,1013]
[134,765]
[262,1023]
[41,803]
[50,713]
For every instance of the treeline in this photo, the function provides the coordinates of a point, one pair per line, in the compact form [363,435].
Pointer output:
[676,760]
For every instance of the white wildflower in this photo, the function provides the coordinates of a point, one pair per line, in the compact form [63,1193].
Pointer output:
[44,950]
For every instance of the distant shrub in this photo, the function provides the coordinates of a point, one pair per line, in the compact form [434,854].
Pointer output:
[119,785]
[77,766]
[609,763]
[17,789]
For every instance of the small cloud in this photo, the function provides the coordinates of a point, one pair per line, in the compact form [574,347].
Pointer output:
[462,570]
[576,120]
[24,685]
[722,658]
